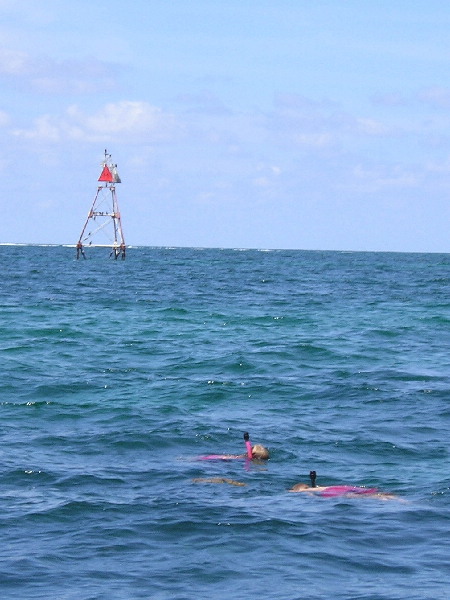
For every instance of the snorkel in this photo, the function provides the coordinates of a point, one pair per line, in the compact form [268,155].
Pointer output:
[312,476]
[248,445]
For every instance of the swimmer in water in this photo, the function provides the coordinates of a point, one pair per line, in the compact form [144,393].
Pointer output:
[335,491]
[256,452]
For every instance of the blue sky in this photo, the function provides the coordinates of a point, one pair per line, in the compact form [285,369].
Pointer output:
[303,124]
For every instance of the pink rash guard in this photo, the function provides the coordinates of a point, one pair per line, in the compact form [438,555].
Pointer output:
[334,491]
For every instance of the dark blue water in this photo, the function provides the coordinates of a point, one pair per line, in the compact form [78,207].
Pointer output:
[116,375]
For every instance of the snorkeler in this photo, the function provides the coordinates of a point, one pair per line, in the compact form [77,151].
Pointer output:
[256,452]
[334,491]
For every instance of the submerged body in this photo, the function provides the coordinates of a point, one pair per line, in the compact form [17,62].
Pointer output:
[218,480]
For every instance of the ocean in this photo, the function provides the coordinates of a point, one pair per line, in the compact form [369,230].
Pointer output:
[116,376]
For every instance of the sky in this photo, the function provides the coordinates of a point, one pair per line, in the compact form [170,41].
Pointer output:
[299,124]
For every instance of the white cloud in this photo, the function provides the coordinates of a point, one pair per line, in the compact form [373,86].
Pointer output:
[441,167]
[436,96]
[373,179]
[371,127]
[29,11]
[127,120]
[319,125]
[267,176]
[13,62]
[45,130]
[392,99]
[316,140]
[4,118]
[45,75]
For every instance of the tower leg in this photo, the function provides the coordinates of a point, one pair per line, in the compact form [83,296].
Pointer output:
[80,251]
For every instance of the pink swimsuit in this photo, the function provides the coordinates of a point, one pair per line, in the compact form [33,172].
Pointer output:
[341,490]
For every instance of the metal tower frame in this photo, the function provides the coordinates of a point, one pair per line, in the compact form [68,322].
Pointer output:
[104,215]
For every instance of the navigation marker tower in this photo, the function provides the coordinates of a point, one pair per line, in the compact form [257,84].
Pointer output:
[104,216]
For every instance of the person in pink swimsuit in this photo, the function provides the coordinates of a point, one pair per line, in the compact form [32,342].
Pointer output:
[256,452]
[335,491]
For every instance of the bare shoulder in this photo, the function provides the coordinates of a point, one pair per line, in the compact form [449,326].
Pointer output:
[303,487]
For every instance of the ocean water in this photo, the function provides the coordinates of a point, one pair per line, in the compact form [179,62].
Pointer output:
[117,375]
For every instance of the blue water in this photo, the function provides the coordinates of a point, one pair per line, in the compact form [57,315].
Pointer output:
[116,375]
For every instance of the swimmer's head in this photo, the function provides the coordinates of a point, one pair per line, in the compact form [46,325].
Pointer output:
[260,452]
[299,487]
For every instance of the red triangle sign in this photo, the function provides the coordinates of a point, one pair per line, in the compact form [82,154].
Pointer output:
[106,175]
